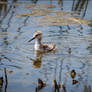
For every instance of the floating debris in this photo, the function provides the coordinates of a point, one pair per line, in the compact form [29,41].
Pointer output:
[69,51]
[10,71]
[27,73]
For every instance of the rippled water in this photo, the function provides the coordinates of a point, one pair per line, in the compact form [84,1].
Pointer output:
[16,53]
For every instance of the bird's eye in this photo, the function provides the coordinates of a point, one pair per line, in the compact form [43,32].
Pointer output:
[37,35]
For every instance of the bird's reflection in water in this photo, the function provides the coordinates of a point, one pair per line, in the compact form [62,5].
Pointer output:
[36,63]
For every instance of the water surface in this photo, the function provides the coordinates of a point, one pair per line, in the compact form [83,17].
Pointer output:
[16,54]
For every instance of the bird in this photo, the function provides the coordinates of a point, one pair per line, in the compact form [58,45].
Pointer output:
[39,46]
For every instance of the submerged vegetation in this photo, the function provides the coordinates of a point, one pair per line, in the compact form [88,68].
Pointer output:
[57,18]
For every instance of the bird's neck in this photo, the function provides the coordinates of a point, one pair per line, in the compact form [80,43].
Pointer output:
[38,41]
[37,44]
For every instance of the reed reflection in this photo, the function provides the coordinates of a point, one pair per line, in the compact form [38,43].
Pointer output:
[3,12]
[40,86]
[34,1]
[90,48]
[3,8]
[3,81]
[80,6]
[60,2]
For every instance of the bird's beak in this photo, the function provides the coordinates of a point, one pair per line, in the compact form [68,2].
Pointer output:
[31,39]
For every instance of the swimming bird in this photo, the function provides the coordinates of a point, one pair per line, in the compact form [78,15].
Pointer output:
[38,44]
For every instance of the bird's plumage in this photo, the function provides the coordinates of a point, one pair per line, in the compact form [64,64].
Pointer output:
[38,44]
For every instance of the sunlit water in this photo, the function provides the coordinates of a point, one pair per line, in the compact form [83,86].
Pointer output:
[16,51]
